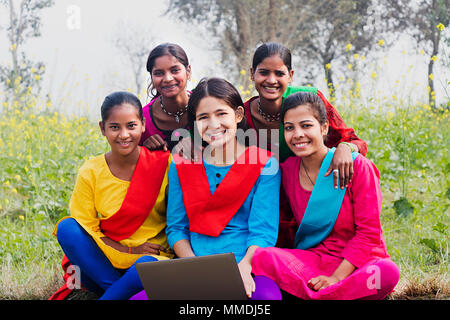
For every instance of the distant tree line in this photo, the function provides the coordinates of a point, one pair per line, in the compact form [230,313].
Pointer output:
[318,31]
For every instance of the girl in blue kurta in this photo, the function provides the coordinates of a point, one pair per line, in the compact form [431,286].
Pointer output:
[227,200]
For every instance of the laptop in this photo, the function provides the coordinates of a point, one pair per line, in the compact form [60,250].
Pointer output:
[212,277]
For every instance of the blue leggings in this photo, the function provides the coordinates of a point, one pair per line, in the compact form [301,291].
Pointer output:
[97,272]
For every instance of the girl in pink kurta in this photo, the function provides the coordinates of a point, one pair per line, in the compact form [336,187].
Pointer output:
[351,261]
[170,71]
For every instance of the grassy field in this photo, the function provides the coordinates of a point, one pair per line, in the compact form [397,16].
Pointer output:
[41,151]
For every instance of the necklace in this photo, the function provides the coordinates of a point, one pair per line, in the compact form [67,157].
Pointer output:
[306,171]
[177,114]
[266,116]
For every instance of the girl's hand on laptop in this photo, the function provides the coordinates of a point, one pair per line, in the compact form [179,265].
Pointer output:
[245,269]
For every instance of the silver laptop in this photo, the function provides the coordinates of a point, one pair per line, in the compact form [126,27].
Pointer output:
[213,277]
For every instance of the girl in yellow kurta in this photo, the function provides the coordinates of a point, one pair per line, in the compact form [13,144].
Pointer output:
[118,206]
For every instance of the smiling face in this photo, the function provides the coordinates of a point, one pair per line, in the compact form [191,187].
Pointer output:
[216,121]
[271,77]
[302,131]
[123,129]
[169,76]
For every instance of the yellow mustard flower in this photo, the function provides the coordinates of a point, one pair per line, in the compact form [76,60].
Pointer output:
[434,58]
[381,42]
[243,72]
[348,47]
[440,27]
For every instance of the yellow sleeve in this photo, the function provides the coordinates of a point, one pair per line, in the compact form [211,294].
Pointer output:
[82,203]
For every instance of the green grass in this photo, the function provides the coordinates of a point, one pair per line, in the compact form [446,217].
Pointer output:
[41,152]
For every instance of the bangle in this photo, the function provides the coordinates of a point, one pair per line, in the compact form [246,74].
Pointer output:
[129,250]
[352,149]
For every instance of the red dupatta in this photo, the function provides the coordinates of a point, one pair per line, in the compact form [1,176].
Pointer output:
[209,214]
[141,196]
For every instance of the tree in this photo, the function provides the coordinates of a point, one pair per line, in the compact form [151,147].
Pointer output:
[425,20]
[317,30]
[336,27]
[134,43]
[239,26]
[24,22]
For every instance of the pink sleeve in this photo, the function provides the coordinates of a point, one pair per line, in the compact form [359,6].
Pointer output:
[366,198]
[148,120]
[150,128]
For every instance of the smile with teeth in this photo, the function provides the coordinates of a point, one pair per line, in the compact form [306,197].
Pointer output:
[271,88]
[169,87]
[300,144]
[124,143]
[215,136]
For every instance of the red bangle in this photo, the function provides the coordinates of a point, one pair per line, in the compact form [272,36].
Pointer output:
[129,250]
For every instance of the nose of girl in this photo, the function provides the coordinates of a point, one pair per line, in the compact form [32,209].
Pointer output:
[298,133]
[271,78]
[214,123]
[168,77]
[123,133]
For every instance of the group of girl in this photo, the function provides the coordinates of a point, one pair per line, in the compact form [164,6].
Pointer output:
[310,230]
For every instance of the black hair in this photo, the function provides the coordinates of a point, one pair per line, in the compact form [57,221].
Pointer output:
[217,88]
[305,98]
[270,49]
[118,98]
[164,50]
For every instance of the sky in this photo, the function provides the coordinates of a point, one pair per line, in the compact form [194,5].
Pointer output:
[83,66]
[76,46]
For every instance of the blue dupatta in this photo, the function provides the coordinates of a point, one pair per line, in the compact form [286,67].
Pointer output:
[322,209]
